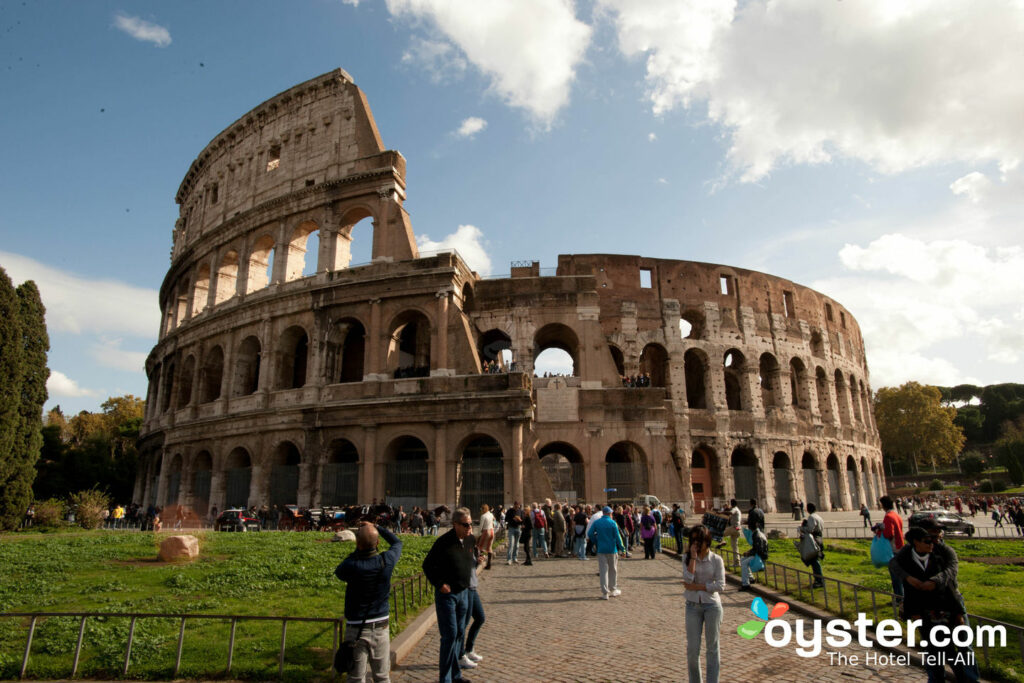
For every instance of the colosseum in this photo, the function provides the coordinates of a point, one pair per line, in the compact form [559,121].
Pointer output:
[286,374]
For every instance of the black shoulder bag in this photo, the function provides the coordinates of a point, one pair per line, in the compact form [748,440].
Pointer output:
[346,653]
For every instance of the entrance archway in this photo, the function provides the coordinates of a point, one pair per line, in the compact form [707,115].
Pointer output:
[406,473]
[625,472]
[835,494]
[239,477]
[284,475]
[744,475]
[810,468]
[340,485]
[482,475]
[564,467]
[202,469]
[703,478]
[783,487]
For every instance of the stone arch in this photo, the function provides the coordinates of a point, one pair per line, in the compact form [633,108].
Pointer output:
[346,351]
[618,359]
[654,363]
[782,471]
[481,473]
[408,350]
[295,263]
[211,377]
[284,474]
[565,469]
[768,378]
[406,478]
[744,474]
[811,467]
[496,345]
[824,395]
[348,240]
[625,471]
[184,393]
[238,478]
[733,365]
[173,496]
[695,367]
[261,258]
[800,395]
[853,484]
[227,277]
[340,479]
[704,478]
[835,493]
[692,324]
[557,336]
[293,359]
[202,472]
[246,377]
[201,289]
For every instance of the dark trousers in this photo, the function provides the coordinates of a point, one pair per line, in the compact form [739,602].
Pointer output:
[526,546]
[476,613]
[451,611]
[649,548]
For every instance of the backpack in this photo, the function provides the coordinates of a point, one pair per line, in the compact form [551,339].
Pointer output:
[538,521]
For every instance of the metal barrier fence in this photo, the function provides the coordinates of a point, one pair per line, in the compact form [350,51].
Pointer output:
[1008,532]
[800,582]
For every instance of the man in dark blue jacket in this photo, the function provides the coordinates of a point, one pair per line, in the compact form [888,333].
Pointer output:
[448,566]
[368,575]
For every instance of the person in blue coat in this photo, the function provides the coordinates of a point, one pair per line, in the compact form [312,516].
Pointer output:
[604,534]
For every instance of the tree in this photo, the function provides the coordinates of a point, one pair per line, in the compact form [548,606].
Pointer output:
[972,463]
[913,424]
[1010,450]
[12,373]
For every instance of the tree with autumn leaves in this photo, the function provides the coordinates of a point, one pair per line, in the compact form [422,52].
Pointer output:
[915,427]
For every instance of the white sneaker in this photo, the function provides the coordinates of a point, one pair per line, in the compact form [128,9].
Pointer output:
[466,663]
[474,656]
[509,563]
[616,593]
[604,596]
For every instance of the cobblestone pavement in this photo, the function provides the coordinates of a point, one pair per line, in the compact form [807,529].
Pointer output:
[547,623]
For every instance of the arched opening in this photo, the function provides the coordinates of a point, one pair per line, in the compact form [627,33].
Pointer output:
[284,475]
[353,243]
[482,474]
[227,277]
[201,290]
[311,260]
[798,384]
[346,351]
[810,468]
[842,392]
[261,268]
[182,302]
[174,481]
[867,486]
[167,401]
[188,370]
[212,375]
[654,364]
[468,300]
[817,345]
[625,472]
[238,479]
[340,484]
[782,472]
[853,483]
[495,349]
[691,324]
[744,475]
[695,369]
[409,346]
[564,467]
[202,468]
[835,494]
[555,351]
[824,395]
[406,472]
[299,251]
[246,379]
[732,365]
[855,400]
[618,360]
[768,368]
[704,478]
[294,345]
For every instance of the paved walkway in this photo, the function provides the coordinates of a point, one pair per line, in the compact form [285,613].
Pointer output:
[547,623]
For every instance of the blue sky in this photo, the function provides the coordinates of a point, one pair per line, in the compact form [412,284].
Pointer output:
[869,149]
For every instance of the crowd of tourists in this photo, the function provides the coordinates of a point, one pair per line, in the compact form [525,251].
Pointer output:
[641,381]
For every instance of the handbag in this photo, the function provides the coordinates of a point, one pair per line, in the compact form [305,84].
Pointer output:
[808,548]
[881,551]
[346,652]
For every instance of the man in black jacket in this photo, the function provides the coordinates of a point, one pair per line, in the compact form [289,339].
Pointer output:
[755,517]
[368,575]
[448,566]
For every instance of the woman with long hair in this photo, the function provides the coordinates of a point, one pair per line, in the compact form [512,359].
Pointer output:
[703,579]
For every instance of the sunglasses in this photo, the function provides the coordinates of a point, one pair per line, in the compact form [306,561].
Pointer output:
[926,541]
[465,525]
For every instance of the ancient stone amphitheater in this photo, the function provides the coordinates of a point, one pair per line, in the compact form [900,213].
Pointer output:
[285,374]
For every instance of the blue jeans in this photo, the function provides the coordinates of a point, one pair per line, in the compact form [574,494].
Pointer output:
[451,611]
[815,566]
[705,617]
[580,547]
[745,569]
[540,541]
[657,540]
[512,555]
[476,613]
[897,584]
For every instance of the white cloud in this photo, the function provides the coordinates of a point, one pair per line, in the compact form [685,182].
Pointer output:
[973,186]
[651,137]
[662,181]
[470,127]
[354,3]
[911,295]
[140,29]
[896,85]
[108,353]
[60,384]
[467,241]
[441,59]
[529,49]
[77,305]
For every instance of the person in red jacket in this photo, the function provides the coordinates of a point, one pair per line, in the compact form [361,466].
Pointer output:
[892,529]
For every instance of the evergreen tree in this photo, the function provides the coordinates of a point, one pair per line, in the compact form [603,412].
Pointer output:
[16,486]
[12,374]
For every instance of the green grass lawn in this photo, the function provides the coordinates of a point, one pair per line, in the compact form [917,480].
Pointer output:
[277,574]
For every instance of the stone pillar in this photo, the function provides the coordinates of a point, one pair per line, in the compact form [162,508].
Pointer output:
[439,350]
[161,488]
[437,484]
[368,485]
[375,340]
[217,492]
[306,484]
[282,255]
[517,460]
[750,390]
[266,357]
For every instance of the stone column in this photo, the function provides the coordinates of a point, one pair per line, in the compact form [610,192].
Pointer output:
[517,460]
[266,358]
[306,484]
[161,488]
[437,485]
[374,340]
[368,485]
[217,492]
[750,390]
[439,351]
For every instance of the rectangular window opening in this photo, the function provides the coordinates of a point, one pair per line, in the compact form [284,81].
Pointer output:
[828,312]
[787,303]
[645,278]
[842,319]
[214,193]
[274,158]
[725,284]
[310,183]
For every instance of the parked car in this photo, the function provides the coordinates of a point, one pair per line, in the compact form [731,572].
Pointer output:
[954,523]
[235,519]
